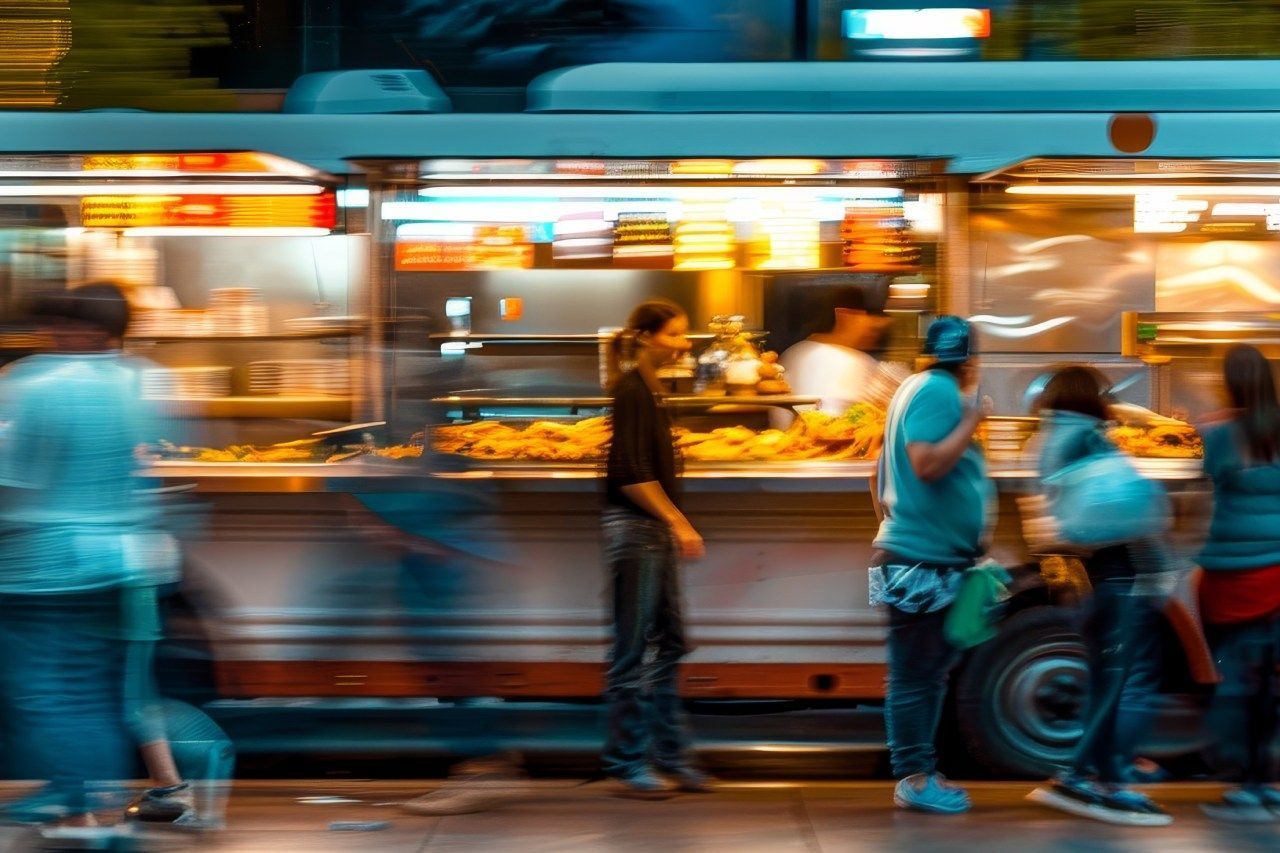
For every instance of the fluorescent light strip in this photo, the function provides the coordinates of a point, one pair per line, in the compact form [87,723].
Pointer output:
[132,189]
[353,198]
[1139,189]
[550,210]
[660,194]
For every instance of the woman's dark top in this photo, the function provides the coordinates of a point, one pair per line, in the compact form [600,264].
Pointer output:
[642,449]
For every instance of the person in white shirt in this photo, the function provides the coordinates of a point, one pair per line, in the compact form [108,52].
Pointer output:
[834,362]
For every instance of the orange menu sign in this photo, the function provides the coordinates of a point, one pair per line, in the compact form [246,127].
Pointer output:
[432,255]
[443,255]
[209,211]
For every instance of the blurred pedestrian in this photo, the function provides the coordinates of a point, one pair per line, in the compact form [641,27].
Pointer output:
[645,536]
[1240,587]
[1074,416]
[188,758]
[938,506]
[68,500]
[835,361]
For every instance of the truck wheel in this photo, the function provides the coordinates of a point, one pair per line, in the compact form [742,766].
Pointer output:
[1020,699]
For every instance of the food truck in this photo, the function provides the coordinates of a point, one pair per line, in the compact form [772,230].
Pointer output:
[385,368]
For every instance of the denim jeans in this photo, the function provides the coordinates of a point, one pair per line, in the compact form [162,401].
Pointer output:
[1243,716]
[645,718]
[920,662]
[1111,617]
[61,689]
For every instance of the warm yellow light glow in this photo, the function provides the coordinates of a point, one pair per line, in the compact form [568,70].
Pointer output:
[787,237]
[778,167]
[702,167]
[704,239]
[196,231]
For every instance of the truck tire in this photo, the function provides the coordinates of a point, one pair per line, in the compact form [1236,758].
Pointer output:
[1020,698]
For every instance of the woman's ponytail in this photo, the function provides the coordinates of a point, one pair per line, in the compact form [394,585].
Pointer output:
[647,317]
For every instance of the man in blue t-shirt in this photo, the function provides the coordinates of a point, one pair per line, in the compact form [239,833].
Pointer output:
[938,505]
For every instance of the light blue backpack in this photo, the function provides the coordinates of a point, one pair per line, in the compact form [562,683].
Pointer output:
[1104,500]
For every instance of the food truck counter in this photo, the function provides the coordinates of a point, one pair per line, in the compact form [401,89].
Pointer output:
[357,476]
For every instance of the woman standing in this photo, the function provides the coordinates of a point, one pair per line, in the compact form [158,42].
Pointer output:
[1240,590]
[644,535]
[1074,414]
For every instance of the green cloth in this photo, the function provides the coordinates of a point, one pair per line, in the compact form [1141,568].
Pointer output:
[939,523]
[975,613]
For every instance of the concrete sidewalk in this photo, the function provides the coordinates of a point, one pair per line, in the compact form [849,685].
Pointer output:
[771,817]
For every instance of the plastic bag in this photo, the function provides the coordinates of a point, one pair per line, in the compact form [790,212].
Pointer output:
[1104,500]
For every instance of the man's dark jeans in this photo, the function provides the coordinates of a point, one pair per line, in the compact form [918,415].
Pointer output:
[920,661]
[645,719]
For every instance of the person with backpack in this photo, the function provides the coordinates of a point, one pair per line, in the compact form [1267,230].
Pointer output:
[1240,587]
[937,504]
[1074,413]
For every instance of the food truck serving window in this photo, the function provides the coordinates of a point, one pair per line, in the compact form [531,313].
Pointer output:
[689,214]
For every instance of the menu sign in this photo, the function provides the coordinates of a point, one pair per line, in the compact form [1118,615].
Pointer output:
[208,211]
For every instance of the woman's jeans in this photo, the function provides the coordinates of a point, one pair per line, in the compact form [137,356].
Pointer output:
[1111,617]
[920,662]
[645,719]
[61,686]
[1243,716]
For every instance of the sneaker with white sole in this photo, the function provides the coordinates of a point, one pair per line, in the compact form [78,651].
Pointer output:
[931,793]
[1082,797]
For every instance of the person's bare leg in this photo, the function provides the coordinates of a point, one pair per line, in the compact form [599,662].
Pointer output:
[158,758]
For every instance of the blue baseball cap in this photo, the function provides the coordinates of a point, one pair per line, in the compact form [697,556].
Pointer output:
[950,340]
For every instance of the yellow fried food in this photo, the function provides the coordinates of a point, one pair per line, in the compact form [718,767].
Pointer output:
[1161,441]
[399,451]
[211,455]
[814,435]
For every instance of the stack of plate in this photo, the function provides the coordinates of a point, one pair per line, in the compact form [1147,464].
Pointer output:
[138,266]
[170,323]
[307,325]
[238,311]
[187,383]
[301,377]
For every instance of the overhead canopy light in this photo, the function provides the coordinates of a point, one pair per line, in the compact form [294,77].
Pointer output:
[152,165]
[138,189]
[1140,189]
[694,169]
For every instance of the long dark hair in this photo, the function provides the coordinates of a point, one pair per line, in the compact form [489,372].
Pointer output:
[1252,389]
[648,317]
[1075,388]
